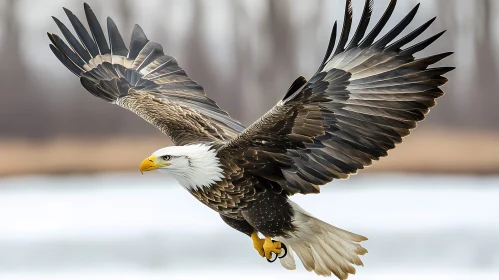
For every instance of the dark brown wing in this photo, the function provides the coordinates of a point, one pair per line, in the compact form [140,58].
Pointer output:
[142,79]
[360,103]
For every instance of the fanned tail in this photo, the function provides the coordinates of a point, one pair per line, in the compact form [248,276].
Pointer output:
[321,247]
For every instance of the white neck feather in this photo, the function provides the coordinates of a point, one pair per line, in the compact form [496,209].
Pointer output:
[199,166]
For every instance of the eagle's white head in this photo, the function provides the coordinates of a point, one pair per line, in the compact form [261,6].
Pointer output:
[193,166]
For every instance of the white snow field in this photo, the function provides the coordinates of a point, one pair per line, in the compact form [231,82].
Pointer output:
[128,226]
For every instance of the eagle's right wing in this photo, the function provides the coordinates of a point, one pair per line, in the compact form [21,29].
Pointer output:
[365,97]
[142,79]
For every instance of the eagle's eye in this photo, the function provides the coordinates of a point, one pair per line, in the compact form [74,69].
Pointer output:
[166,158]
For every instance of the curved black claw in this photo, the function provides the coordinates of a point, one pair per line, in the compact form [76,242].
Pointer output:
[273,259]
[284,251]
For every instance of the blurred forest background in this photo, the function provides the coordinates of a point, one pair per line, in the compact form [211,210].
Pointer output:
[245,54]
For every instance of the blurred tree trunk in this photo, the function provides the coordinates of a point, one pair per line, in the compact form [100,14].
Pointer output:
[125,10]
[486,72]
[198,59]
[22,107]
[279,71]
[240,89]
[448,111]
[311,26]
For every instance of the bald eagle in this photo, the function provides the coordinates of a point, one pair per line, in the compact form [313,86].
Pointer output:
[367,94]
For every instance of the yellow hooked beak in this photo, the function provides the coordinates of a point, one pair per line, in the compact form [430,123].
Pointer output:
[148,164]
[152,163]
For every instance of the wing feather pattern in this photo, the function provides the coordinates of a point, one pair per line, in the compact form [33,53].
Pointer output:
[362,101]
[141,78]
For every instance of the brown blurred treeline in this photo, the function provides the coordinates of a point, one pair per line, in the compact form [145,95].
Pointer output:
[245,53]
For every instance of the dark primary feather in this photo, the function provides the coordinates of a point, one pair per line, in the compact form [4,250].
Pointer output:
[330,47]
[82,33]
[96,30]
[297,85]
[410,37]
[364,22]
[143,79]
[347,25]
[379,26]
[138,41]
[360,104]
[115,40]
[65,60]
[72,40]
[397,29]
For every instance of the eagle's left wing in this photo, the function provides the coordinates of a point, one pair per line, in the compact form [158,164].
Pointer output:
[362,101]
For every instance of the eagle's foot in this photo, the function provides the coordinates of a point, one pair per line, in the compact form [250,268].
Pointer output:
[258,243]
[272,249]
[268,248]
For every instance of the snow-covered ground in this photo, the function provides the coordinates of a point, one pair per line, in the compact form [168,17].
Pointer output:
[127,226]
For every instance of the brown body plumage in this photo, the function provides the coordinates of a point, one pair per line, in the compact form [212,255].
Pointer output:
[366,95]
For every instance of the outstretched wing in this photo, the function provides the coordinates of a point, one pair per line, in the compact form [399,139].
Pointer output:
[364,98]
[142,79]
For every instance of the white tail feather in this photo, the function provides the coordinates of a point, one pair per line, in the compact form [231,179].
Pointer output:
[321,247]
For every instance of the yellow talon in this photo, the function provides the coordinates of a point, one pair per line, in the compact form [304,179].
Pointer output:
[271,247]
[266,247]
[258,243]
